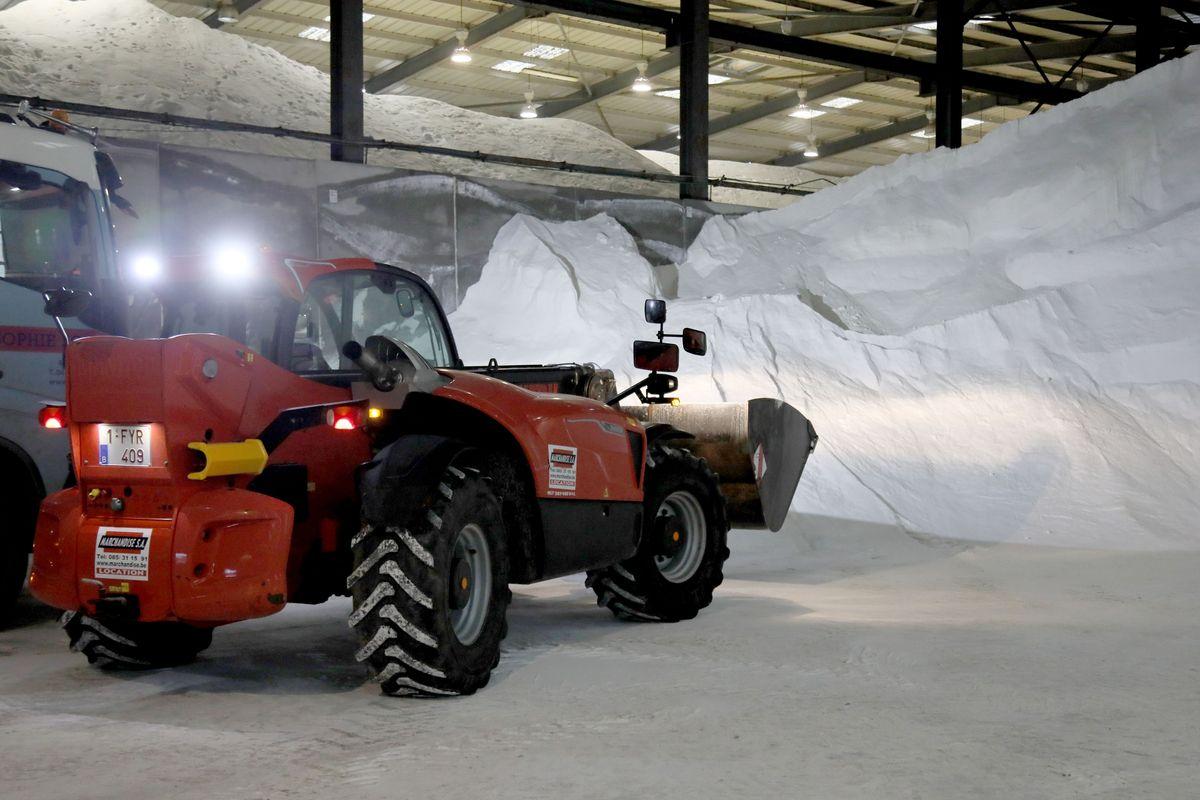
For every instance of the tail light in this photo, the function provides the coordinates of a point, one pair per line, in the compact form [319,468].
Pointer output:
[345,418]
[53,417]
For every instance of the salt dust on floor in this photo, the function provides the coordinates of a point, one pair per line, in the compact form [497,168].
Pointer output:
[839,660]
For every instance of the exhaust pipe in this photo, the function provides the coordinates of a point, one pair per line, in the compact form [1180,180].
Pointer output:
[758,449]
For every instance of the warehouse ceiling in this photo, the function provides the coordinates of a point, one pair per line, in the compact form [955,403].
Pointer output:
[584,68]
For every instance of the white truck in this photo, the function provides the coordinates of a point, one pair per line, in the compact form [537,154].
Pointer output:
[56,195]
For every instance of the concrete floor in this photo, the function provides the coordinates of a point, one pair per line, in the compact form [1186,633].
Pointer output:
[839,661]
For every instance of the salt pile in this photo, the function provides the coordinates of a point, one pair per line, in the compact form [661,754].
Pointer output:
[132,54]
[1000,343]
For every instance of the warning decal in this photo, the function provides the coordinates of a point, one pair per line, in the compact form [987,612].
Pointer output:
[760,464]
[123,553]
[563,462]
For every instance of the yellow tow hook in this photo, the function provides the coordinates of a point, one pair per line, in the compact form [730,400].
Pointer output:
[229,458]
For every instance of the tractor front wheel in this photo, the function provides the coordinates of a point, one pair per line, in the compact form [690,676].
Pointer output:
[134,646]
[683,547]
[430,593]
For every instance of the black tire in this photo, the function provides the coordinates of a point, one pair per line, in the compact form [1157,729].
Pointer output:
[134,645]
[404,604]
[660,583]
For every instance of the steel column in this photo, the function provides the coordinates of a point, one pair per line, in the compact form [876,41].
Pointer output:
[1149,33]
[693,98]
[346,79]
[950,24]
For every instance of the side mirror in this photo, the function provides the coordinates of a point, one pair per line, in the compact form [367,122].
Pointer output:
[656,311]
[656,356]
[695,342]
[66,302]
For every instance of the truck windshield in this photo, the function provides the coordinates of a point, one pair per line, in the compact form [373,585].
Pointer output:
[49,226]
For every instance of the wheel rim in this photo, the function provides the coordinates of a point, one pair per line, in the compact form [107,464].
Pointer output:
[681,520]
[471,562]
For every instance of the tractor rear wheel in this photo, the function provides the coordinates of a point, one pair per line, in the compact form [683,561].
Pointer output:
[683,547]
[134,645]
[430,593]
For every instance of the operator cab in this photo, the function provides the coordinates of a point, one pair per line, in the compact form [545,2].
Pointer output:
[300,313]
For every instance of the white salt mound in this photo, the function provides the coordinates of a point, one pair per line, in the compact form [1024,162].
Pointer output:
[132,54]
[1000,343]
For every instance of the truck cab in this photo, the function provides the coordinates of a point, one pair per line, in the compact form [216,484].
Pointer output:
[55,231]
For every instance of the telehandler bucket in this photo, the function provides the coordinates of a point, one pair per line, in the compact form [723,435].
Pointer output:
[758,449]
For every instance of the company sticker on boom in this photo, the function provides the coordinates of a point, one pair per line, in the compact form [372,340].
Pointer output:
[123,553]
[563,463]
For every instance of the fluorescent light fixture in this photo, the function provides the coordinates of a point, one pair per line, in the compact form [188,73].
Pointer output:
[841,102]
[806,112]
[366,17]
[641,83]
[316,33]
[971,122]
[512,66]
[925,133]
[925,26]
[714,79]
[668,93]
[529,110]
[462,53]
[545,52]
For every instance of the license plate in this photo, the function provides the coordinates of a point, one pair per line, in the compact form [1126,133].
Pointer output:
[124,445]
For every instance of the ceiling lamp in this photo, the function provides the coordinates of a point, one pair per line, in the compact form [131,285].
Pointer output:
[227,12]
[812,151]
[641,83]
[529,110]
[462,53]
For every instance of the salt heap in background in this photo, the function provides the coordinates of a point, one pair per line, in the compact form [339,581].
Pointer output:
[132,54]
[998,343]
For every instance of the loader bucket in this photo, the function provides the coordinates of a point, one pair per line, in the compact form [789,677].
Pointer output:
[758,449]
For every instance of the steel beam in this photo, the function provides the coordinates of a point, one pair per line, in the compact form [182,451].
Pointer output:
[776,105]
[346,79]
[1049,51]
[1149,33]
[441,51]
[900,127]
[765,41]
[693,98]
[949,62]
[617,83]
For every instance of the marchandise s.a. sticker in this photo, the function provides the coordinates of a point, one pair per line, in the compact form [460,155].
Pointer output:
[123,553]
[563,463]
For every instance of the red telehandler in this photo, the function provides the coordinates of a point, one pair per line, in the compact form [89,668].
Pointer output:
[310,430]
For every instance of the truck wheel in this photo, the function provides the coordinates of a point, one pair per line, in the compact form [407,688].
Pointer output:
[134,645]
[430,595]
[684,531]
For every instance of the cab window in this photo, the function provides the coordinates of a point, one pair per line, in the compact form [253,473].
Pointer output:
[355,305]
[49,226]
